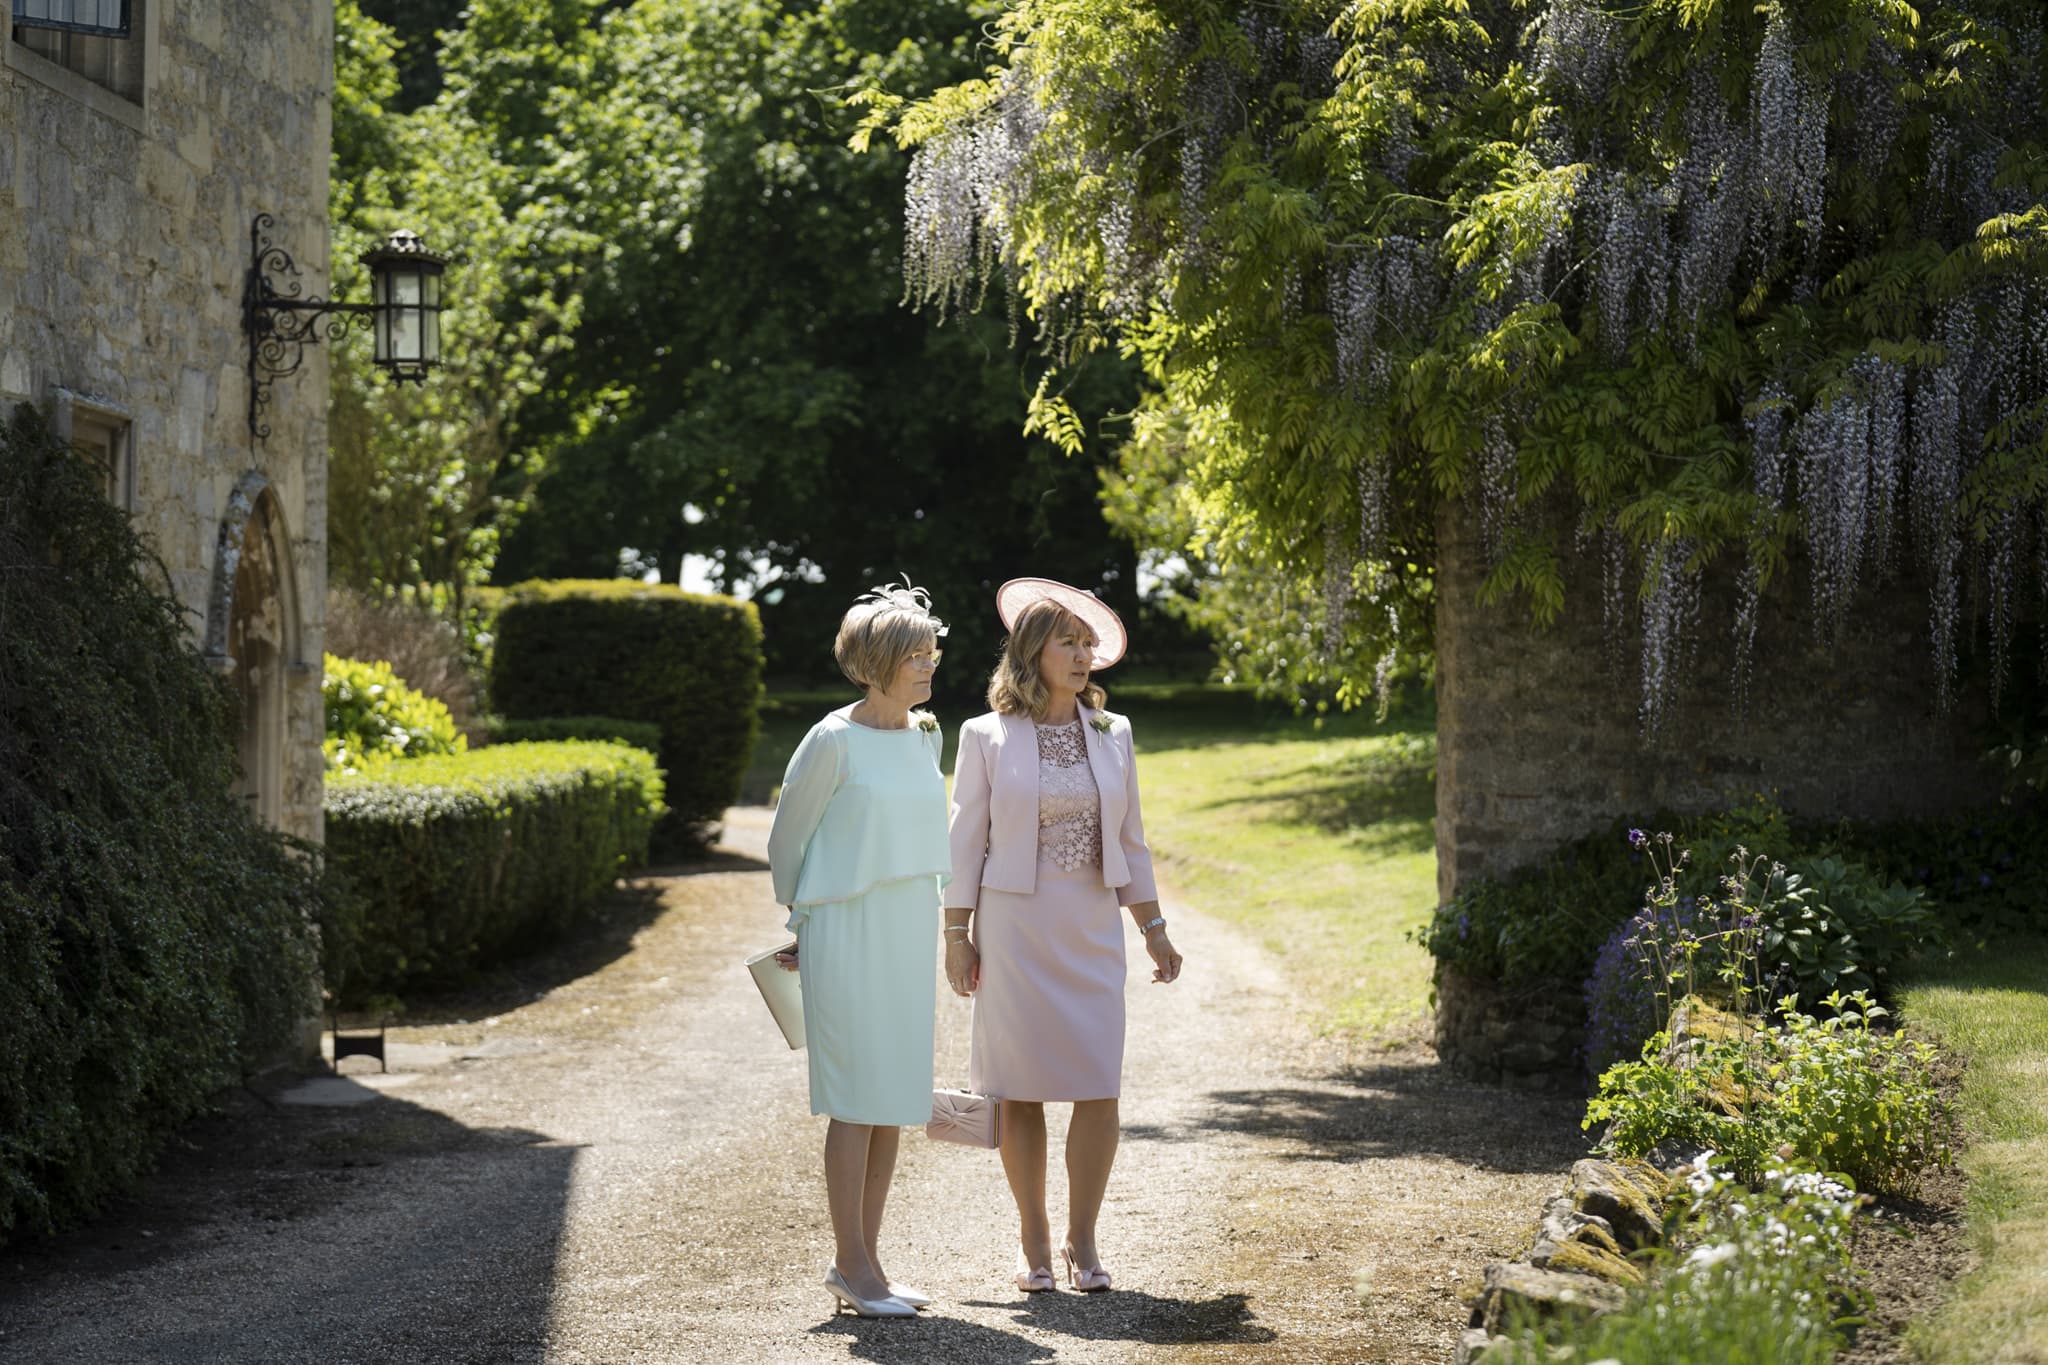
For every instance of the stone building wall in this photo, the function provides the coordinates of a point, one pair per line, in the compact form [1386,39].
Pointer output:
[1538,739]
[124,245]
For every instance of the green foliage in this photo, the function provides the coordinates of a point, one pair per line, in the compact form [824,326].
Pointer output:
[424,479]
[453,861]
[1827,921]
[1843,1096]
[1754,1274]
[1386,256]
[744,323]
[686,662]
[372,715]
[153,939]
[640,734]
[1986,870]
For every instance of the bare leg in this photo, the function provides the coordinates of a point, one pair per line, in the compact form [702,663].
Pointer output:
[881,1170]
[1091,1151]
[1024,1163]
[846,1178]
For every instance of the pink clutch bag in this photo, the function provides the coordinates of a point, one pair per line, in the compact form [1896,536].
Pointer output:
[967,1118]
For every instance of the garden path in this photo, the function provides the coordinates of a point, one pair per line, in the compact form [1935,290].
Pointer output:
[625,1170]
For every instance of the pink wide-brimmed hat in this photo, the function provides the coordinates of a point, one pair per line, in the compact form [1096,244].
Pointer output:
[1110,638]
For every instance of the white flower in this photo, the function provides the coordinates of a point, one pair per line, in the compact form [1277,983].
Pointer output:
[1101,720]
[1702,1257]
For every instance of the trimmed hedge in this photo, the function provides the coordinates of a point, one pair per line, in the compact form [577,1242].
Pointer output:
[155,942]
[372,715]
[641,734]
[686,662]
[453,861]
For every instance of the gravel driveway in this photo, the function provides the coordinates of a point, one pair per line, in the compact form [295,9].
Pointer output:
[625,1170]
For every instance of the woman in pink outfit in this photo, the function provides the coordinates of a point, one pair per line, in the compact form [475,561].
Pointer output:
[1047,843]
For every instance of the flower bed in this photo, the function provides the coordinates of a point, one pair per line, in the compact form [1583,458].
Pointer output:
[1842,910]
[1722,1228]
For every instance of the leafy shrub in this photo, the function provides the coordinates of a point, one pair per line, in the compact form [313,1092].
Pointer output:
[1986,872]
[455,860]
[1754,1274]
[422,646]
[687,662]
[1842,1096]
[1546,922]
[1830,922]
[638,733]
[372,716]
[153,938]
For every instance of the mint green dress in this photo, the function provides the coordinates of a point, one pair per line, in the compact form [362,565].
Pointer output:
[858,852]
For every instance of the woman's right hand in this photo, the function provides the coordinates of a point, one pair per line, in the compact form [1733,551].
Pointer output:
[963,965]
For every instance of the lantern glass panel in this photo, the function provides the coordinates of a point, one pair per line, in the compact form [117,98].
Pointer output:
[405,318]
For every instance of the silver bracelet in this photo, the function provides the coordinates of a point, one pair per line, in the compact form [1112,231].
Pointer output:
[1149,925]
[959,929]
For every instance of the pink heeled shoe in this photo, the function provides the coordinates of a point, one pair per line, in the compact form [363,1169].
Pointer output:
[1087,1281]
[1033,1281]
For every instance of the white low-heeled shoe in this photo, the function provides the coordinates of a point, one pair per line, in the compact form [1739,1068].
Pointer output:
[844,1297]
[903,1293]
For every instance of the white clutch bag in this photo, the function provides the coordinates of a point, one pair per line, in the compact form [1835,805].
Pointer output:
[783,992]
[967,1118]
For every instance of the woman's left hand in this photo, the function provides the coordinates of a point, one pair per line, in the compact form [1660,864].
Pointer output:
[1165,961]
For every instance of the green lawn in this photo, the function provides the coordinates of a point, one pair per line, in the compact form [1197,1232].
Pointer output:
[1315,839]
[1993,1009]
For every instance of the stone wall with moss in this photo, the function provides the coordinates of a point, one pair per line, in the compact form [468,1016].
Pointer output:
[124,243]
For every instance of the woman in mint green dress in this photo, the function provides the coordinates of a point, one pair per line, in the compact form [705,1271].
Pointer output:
[859,852]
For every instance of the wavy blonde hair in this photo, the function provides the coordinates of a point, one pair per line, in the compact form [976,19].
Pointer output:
[1015,688]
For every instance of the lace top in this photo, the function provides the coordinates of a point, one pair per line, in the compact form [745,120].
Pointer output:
[1069,806]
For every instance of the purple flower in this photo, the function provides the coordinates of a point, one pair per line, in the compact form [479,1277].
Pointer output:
[1637,839]
[1464,926]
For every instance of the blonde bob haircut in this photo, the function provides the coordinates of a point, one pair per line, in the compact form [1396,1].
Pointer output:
[876,637]
[1015,688]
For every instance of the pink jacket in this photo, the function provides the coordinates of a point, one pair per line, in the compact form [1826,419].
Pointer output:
[994,827]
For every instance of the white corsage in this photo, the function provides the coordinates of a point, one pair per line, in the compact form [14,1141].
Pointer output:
[1102,720]
[926,721]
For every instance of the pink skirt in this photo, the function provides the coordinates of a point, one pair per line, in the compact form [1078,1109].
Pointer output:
[1049,1014]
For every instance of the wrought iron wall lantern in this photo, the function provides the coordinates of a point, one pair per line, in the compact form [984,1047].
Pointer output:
[404,313]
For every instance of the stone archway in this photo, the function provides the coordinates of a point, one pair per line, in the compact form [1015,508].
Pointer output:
[252,638]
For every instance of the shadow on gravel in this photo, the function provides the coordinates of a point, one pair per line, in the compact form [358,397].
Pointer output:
[1121,1315]
[932,1338]
[1392,1110]
[278,1234]
[601,939]
[1134,1315]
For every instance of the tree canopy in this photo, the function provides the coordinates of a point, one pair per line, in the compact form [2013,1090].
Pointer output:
[676,322]
[766,401]
[1669,283]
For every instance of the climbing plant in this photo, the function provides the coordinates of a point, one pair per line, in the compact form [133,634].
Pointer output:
[156,943]
[1639,288]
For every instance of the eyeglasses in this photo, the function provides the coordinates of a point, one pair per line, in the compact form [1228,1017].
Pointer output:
[927,662]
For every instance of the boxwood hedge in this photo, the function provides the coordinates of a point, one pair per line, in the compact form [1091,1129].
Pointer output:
[454,860]
[155,942]
[641,734]
[687,662]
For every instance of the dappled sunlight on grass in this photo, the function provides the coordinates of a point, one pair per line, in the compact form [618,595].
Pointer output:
[1993,1009]
[1317,839]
